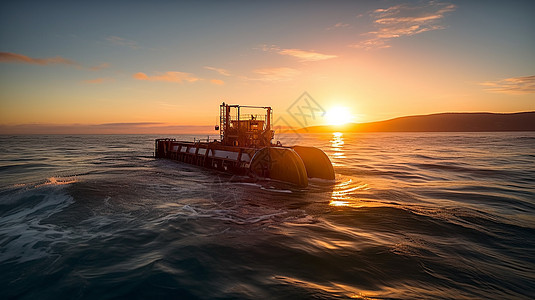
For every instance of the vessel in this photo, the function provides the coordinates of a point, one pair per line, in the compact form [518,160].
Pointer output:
[245,148]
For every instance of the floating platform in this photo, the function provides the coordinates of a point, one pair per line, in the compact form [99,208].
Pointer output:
[245,148]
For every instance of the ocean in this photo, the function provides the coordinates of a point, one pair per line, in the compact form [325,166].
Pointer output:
[410,216]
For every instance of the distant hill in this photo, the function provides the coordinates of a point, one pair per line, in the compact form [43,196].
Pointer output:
[444,122]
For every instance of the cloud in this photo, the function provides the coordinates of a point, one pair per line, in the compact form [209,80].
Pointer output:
[119,41]
[268,48]
[275,74]
[132,124]
[178,77]
[513,85]
[217,81]
[304,55]
[108,128]
[219,70]
[141,76]
[338,25]
[98,80]
[8,57]
[100,67]
[404,20]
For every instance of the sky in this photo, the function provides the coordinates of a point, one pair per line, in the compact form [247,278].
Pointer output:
[165,66]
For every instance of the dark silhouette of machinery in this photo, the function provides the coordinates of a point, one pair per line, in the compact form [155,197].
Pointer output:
[246,148]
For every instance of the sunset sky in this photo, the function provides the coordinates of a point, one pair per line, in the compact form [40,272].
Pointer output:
[155,64]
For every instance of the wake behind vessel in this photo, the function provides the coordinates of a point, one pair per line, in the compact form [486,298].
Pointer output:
[245,147]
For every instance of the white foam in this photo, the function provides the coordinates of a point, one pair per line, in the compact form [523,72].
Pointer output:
[28,238]
[272,189]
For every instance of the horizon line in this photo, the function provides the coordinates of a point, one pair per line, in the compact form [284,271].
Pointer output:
[170,128]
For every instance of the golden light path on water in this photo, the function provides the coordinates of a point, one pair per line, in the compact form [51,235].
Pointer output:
[343,192]
[331,288]
[337,146]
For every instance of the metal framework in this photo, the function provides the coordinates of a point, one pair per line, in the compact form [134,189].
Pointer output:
[254,131]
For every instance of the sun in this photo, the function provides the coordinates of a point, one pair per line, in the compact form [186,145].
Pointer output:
[338,115]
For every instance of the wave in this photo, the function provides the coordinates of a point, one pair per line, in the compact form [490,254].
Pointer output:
[24,234]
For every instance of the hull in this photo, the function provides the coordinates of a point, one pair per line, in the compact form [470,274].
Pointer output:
[294,166]
[209,155]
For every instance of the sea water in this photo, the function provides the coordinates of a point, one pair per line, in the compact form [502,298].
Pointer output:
[410,215]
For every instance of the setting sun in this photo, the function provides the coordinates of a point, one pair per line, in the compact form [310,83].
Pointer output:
[338,115]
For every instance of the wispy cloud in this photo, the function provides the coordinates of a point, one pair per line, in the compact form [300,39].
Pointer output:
[218,70]
[513,85]
[275,74]
[108,128]
[98,80]
[178,77]
[217,81]
[304,55]
[9,57]
[267,48]
[338,25]
[404,20]
[100,67]
[119,41]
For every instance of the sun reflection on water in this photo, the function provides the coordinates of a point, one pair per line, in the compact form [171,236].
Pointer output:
[344,192]
[337,146]
[58,181]
[341,289]
[347,192]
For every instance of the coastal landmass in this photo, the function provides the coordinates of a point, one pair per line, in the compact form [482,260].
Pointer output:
[441,122]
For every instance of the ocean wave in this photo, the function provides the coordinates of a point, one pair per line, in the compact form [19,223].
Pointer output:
[23,235]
